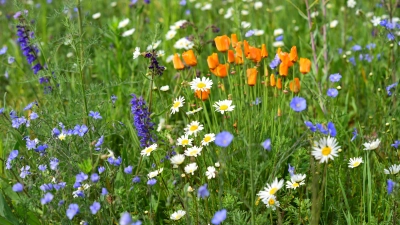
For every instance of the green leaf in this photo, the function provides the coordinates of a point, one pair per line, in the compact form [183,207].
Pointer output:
[4,221]
[5,210]
[86,165]
[32,219]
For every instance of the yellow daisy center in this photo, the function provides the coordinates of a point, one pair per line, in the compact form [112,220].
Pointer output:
[273,191]
[185,142]
[149,150]
[193,128]
[207,139]
[271,201]
[326,150]
[176,104]
[193,152]
[295,184]
[355,164]
[201,85]
[223,107]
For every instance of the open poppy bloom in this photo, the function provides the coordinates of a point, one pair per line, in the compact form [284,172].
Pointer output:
[178,64]
[251,76]
[264,52]
[305,65]
[272,80]
[295,85]
[189,58]
[212,61]
[221,70]
[203,95]
[254,54]
[246,47]
[293,54]
[239,60]
[284,57]
[231,56]
[283,69]
[279,84]
[222,43]
[234,40]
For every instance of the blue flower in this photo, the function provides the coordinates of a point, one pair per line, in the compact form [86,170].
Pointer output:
[81,177]
[54,163]
[1,110]
[267,144]
[390,87]
[331,129]
[72,210]
[396,144]
[275,62]
[335,77]
[101,169]
[298,104]
[257,101]
[46,187]
[352,61]
[33,116]
[128,170]
[356,48]
[322,129]
[142,121]
[11,60]
[291,170]
[18,187]
[390,36]
[104,191]
[136,179]
[354,134]
[13,155]
[31,144]
[151,182]
[29,106]
[46,198]
[94,177]
[390,185]
[223,139]
[310,126]
[203,192]
[13,114]
[219,217]
[370,46]
[95,207]
[99,143]
[80,130]
[125,219]
[25,171]
[249,33]
[279,38]
[95,115]
[3,50]
[17,122]
[55,132]
[332,92]
[113,99]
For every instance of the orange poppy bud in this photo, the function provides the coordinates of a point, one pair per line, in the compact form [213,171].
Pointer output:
[272,80]
[283,69]
[295,85]
[293,54]
[178,64]
[246,48]
[222,43]
[239,60]
[221,70]
[284,57]
[203,95]
[212,61]
[238,49]
[279,84]
[189,58]
[231,56]
[264,52]
[251,76]
[254,54]
[305,65]
[234,40]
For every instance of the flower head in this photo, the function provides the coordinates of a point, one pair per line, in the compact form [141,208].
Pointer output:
[267,144]
[190,168]
[147,151]
[355,162]
[219,217]
[193,128]
[202,192]
[210,173]
[326,148]
[372,145]
[142,121]
[223,139]
[332,92]
[178,215]
[208,138]
[184,140]
[202,84]
[296,181]
[270,189]
[335,77]
[95,115]
[193,151]
[72,210]
[224,106]
[271,202]
[178,103]
[95,207]
[18,187]
[177,160]
[298,104]
[390,185]
[393,169]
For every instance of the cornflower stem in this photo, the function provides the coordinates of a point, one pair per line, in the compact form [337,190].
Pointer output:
[314,193]
[197,210]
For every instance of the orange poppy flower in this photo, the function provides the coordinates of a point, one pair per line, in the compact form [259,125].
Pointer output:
[251,76]
[264,52]
[238,49]
[203,95]
[189,58]
[284,57]
[283,69]
[254,54]
[246,47]
[231,56]
[279,84]
[239,60]
[212,61]
[222,43]
[178,64]
[234,40]
[293,54]
[305,65]
[221,70]
[295,85]
[272,80]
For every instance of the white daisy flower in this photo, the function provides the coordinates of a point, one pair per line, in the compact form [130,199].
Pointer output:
[375,21]
[278,32]
[153,45]
[191,168]
[194,111]
[160,53]
[169,59]
[206,7]
[152,174]
[184,140]
[278,44]
[190,189]
[296,181]
[224,106]
[333,24]
[137,53]
[193,151]
[210,173]
[178,215]
[245,24]
[177,160]
[123,23]
[178,103]
[177,25]
[354,162]
[229,13]
[271,202]
[147,151]
[326,148]
[128,32]
[183,43]
[270,189]
[372,145]
[164,88]
[62,136]
[193,128]
[96,16]
[258,5]
[207,139]
[258,32]
[170,34]
[393,169]
[351,3]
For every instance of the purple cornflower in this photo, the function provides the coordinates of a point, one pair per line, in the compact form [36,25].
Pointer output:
[46,187]
[275,62]
[335,77]
[298,104]
[154,64]
[142,121]
[17,122]
[203,192]
[95,207]
[33,116]
[94,177]
[396,144]
[25,171]
[390,87]
[18,187]
[310,126]
[128,170]
[151,182]
[219,217]
[80,130]
[72,210]
[104,191]
[279,38]
[28,50]
[46,198]
[291,170]
[99,143]
[332,92]
[267,144]
[81,177]
[95,115]
[354,134]
[101,169]
[356,48]
[249,33]
[390,185]
[53,163]
[331,129]
[136,179]
[223,139]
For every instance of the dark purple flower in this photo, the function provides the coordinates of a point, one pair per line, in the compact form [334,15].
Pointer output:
[142,121]
[219,217]
[203,192]
[223,139]
[95,207]
[72,210]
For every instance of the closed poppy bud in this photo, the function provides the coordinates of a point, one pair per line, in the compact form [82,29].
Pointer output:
[264,52]
[295,85]
[272,80]
[238,49]
[246,48]
[305,65]
[279,83]
[234,40]
[231,56]
[189,58]
[222,43]
[283,69]
[203,95]
[239,60]
[293,54]
[254,54]
[178,64]
[212,61]
[251,76]
[221,70]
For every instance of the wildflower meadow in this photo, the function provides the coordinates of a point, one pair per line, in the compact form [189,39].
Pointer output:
[199,112]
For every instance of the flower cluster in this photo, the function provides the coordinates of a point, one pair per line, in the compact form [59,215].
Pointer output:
[28,50]
[142,121]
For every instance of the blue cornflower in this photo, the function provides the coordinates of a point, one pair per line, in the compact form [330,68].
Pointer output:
[390,36]
[257,101]
[249,33]
[335,77]
[128,170]
[390,87]
[182,2]
[146,1]
[390,185]
[61,202]
[33,116]
[11,60]
[81,177]
[72,210]
[340,51]
[383,23]
[275,62]
[298,104]
[46,187]
[76,184]
[310,126]
[18,187]
[113,99]
[370,46]
[43,80]
[125,219]
[25,171]
[396,144]
[136,179]
[3,50]
[368,57]
[114,161]
[99,143]
[29,106]
[95,207]
[55,132]
[331,129]
[279,38]
[42,148]
[223,139]
[291,170]
[332,92]
[46,198]
[203,192]
[267,144]
[54,163]
[13,114]
[17,122]
[354,134]
[219,217]
[80,130]
[101,169]
[95,115]
[151,182]
[1,110]
[322,129]
[352,61]
[94,177]
[13,155]
[104,191]
[356,48]
[142,121]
